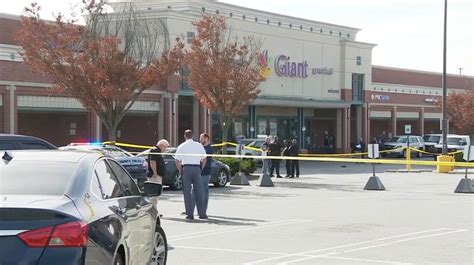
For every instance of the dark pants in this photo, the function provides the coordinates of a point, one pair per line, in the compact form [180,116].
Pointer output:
[275,166]
[295,168]
[288,167]
[192,179]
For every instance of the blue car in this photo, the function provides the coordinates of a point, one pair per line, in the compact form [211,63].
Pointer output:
[135,165]
[76,207]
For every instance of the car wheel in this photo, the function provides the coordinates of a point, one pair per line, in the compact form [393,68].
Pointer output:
[177,181]
[420,154]
[118,260]
[222,177]
[160,250]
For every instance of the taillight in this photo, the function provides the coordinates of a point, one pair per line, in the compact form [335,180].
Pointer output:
[72,234]
[36,238]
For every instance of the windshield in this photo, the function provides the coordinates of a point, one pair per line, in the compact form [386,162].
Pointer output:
[49,178]
[115,152]
[402,139]
[393,139]
[454,141]
[432,138]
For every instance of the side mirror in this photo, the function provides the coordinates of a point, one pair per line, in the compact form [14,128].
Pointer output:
[152,189]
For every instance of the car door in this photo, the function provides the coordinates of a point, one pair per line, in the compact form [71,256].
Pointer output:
[142,240]
[122,201]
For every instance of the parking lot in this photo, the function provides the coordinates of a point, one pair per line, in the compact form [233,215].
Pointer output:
[325,217]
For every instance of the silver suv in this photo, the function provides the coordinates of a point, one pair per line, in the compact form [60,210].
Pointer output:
[398,142]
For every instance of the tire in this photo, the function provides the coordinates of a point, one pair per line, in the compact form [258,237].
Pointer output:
[160,249]
[177,181]
[118,260]
[420,154]
[221,179]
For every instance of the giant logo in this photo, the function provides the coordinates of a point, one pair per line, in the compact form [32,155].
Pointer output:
[264,61]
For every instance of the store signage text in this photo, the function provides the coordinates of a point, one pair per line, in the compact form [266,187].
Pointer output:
[287,68]
[431,100]
[380,97]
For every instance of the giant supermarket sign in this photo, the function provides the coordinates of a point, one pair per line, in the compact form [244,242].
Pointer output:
[284,66]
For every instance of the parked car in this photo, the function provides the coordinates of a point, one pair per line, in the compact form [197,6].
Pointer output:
[220,172]
[454,143]
[76,207]
[402,141]
[23,142]
[135,165]
[431,140]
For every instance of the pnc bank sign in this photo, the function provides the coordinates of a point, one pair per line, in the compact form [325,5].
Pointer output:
[285,67]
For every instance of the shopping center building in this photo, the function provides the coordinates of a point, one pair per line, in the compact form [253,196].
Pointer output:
[319,79]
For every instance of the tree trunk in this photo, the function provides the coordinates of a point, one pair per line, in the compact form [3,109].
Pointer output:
[224,129]
[113,134]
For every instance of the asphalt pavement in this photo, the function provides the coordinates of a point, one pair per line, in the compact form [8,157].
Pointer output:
[325,217]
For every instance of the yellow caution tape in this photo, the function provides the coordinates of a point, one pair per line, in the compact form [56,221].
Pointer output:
[334,159]
[317,157]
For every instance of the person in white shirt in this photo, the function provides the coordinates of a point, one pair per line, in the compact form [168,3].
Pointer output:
[190,158]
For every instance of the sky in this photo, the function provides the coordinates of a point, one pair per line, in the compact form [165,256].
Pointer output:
[408,33]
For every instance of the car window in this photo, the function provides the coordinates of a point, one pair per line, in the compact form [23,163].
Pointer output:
[402,139]
[433,139]
[35,177]
[107,182]
[33,146]
[130,188]
[454,141]
[7,146]
[95,187]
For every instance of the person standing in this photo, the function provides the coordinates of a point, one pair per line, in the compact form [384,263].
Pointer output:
[156,164]
[265,150]
[206,171]
[295,165]
[190,158]
[286,153]
[275,150]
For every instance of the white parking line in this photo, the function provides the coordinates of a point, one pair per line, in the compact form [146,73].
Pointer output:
[347,245]
[368,260]
[281,253]
[227,230]
[376,246]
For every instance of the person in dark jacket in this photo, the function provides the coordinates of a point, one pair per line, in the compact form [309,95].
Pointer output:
[156,164]
[275,150]
[295,165]
[286,152]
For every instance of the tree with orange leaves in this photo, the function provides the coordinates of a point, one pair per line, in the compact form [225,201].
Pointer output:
[105,64]
[224,73]
[460,111]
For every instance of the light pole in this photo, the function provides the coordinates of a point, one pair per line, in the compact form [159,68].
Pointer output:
[445,96]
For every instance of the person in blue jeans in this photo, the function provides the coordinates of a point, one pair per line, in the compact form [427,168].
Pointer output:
[206,170]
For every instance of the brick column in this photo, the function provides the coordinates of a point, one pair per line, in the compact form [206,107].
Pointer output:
[11,110]
[366,119]
[346,119]
[421,121]
[394,121]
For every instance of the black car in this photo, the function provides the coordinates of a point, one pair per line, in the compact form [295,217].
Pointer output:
[72,207]
[23,142]
[220,172]
[135,165]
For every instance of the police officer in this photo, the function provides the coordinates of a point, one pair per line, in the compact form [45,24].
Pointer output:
[295,165]
[275,150]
